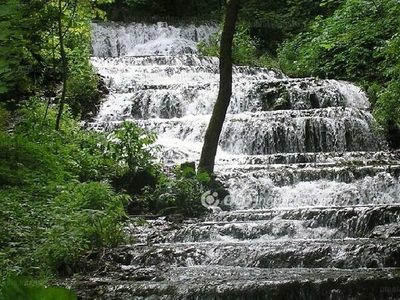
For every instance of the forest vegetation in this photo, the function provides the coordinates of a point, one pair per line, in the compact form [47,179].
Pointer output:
[66,191]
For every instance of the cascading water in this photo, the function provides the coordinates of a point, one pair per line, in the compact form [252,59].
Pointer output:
[314,205]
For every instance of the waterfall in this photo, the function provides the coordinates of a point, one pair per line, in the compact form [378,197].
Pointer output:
[313,209]
[113,40]
[173,95]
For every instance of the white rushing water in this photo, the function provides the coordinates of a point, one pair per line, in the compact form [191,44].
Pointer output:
[157,79]
[313,210]
[139,39]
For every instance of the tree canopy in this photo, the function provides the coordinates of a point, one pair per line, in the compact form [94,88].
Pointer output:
[35,37]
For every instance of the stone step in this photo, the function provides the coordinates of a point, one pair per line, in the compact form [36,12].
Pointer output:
[330,216]
[356,158]
[175,61]
[236,283]
[333,129]
[289,253]
[303,223]
[265,188]
[282,175]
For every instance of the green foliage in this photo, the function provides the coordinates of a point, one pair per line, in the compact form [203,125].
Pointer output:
[82,82]
[129,146]
[387,107]
[84,216]
[348,45]
[264,25]
[4,118]
[57,203]
[359,42]
[30,57]
[210,47]
[245,50]
[180,194]
[16,59]
[158,10]
[272,22]
[17,289]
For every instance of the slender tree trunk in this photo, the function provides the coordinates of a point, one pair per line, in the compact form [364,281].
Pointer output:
[213,132]
[64,66]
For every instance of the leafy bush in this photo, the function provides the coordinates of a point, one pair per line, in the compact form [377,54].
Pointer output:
[387,107]
[245,49]
[129,146]
[57,201]
[180,194]
[17,289]
[347,45]
[210,47]
[84,217]
[30,54]
[4,118]
[83,95]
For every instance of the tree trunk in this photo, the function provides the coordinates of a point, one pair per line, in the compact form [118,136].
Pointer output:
[64,66]
[213,132]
